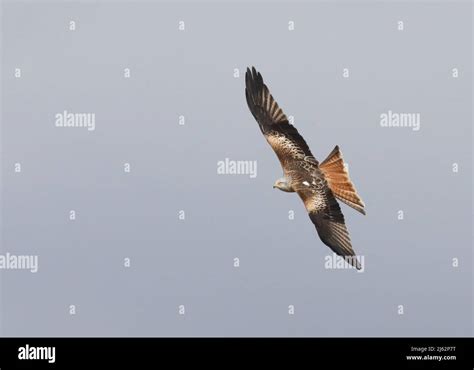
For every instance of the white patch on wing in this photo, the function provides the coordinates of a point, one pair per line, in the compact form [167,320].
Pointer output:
[319,202]
[306,183]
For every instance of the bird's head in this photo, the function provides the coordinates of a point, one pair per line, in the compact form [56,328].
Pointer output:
[283,185]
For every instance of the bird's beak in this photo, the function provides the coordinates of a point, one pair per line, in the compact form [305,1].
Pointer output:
[274,186]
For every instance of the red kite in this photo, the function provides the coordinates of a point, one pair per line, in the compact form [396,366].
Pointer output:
[317,184]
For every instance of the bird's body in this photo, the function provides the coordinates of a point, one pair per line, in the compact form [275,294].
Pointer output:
[317,184]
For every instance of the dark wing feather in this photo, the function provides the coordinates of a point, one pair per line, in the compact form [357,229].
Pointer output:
[283,137]
[326,215]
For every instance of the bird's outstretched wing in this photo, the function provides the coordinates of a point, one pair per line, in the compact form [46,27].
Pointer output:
[283,137]
[326,215]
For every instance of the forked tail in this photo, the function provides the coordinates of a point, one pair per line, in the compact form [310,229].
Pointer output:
[339,181]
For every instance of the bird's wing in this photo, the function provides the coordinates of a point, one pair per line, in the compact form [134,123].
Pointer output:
[283,137]
[325,213]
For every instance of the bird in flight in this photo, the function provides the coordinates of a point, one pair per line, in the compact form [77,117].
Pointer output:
[317,184]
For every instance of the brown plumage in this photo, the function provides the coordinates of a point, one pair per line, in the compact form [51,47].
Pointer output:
[317,184]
